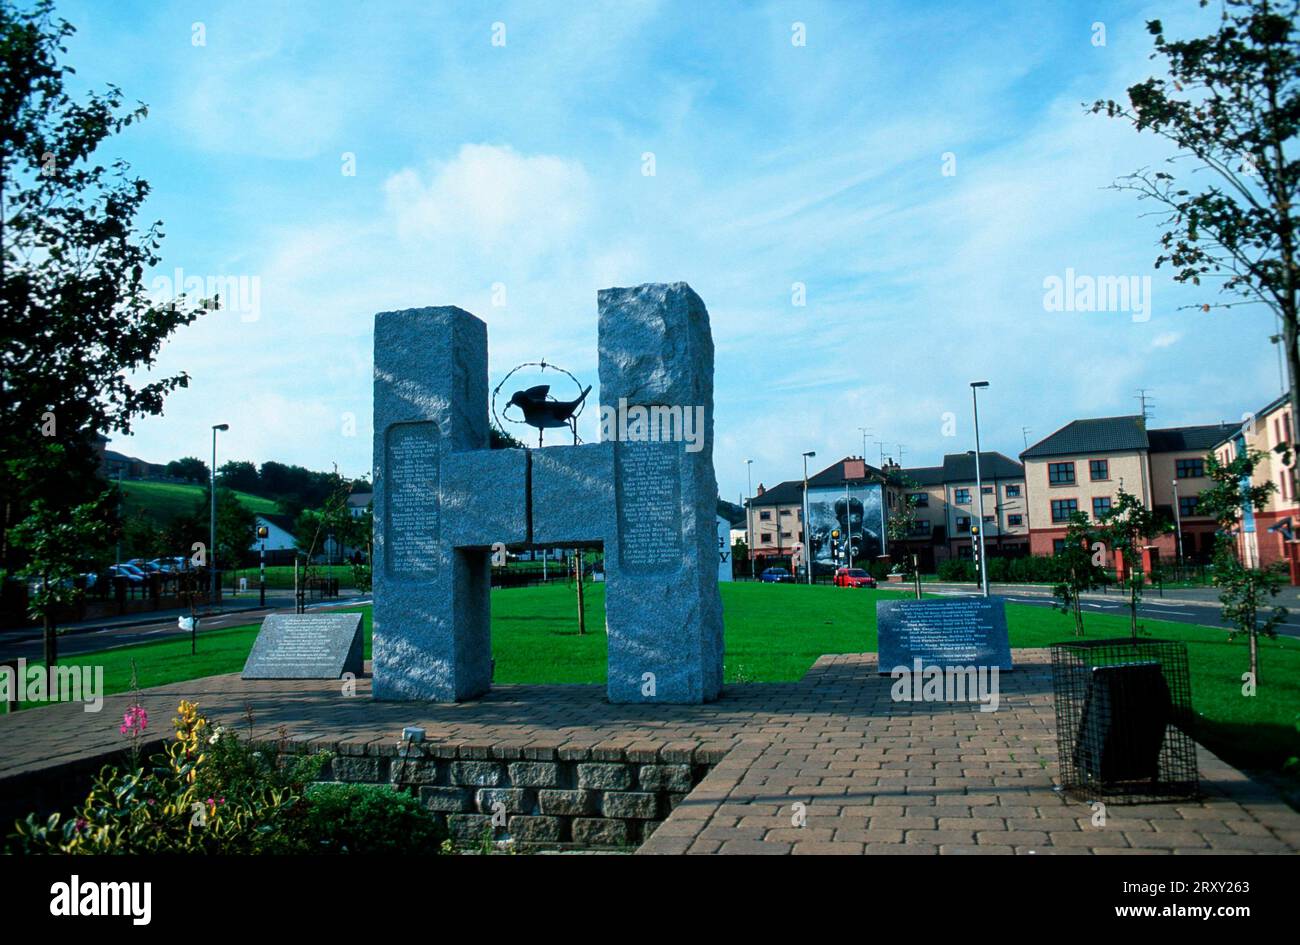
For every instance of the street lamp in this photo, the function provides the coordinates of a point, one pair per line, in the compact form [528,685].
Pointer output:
[749,513]
[979,487]
[1178,524]
[212,532]
[804,525]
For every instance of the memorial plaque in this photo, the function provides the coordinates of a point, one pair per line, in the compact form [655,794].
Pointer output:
[961,631]
[306,646]
[411,500]
[649,506]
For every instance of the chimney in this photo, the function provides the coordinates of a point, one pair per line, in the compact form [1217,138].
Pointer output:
[855,468]
[760,491]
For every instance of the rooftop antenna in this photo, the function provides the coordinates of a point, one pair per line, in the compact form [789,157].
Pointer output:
[1143,397]
[1024,431]
[901,449]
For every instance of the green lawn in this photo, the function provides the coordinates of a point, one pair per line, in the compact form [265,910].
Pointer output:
[280,577]
[163,501]
[776,631]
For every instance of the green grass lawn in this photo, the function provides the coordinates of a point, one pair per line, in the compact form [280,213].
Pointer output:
[163,501]
[776,631]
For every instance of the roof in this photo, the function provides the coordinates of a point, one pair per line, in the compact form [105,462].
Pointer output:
[1180,439]
[733,513]
[922,475]
[359,500]
[960,467]
[1095,435]
[833,475]
[783,493]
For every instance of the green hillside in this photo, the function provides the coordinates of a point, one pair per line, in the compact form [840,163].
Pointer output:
[163,501]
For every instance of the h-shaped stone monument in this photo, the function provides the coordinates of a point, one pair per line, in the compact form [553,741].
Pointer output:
[443,499]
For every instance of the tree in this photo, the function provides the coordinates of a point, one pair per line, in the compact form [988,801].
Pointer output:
[240,475]
[55,547]
[1231,105]
[77,324]
[189,469]
[1244,592]
[1128,527]
[1079,571]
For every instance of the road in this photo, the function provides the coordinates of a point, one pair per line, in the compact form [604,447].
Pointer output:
[1195,605]
[89,638]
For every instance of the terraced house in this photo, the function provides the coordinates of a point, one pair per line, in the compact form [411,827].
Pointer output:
[947,504]
[1082,466]
[1264,537]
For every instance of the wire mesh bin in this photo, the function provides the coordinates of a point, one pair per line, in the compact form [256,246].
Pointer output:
[1123,720]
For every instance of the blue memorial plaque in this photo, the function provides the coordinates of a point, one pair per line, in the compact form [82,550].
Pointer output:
[956,631]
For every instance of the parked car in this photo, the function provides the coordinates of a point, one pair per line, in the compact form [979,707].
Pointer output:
[132,575]
[853,577]
[776,576]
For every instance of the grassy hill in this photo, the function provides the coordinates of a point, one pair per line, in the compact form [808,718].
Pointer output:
[163,501]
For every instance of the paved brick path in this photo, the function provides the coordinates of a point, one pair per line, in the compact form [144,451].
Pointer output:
[874,776]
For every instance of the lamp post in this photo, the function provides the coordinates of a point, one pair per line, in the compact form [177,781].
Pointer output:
[979,486]
[212,532]
[804,525]
[749,513]
[1178,524]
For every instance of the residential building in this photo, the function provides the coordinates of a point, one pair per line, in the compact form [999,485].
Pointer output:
[1262,539]
[1083,465]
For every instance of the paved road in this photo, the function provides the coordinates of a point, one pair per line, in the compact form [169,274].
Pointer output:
[1198,605]
[112,634]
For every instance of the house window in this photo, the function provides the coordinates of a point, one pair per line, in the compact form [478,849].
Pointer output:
[1060,474]
[1058,545]
[919,500]
[961,496]
[1098,469]
[1100,506]
[1189,468]
[765,516]
[1015,521]
[963,524]
[1013,492]
[987,490]
[768,538]
[785,535]
[922,527]
[1062,509]
[1187,505]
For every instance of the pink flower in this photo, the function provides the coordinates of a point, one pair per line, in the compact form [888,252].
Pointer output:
[135,720]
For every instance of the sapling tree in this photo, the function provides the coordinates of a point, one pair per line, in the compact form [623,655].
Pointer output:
[1245,592]
[1128,527]
[1080,572]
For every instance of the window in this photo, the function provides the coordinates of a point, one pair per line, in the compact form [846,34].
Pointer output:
[1187,505]
[990,520]
[785,535]
[921,527]
[1062,509]
[1058,545]
[765,516]
[961,496]
[1015,521]
[1060,474]
[768,538]
[1013,492]
[1100,506]
[919,500]
[1098,469]
[963,524]
[1189,468]
[987,490]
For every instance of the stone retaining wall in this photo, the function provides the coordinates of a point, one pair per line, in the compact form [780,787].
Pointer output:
[545,797]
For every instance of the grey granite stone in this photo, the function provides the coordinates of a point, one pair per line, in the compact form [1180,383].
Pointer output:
[628,805]
[566,803]
[534,829]
[604,777]
[442,499]
[538,774]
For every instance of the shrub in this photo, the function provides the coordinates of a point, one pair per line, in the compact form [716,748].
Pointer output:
[368,818]
[956,569]
[198,796]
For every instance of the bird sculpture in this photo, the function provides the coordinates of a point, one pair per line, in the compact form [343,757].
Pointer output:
[546,414]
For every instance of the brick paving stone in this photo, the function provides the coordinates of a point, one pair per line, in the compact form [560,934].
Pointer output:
[875,776]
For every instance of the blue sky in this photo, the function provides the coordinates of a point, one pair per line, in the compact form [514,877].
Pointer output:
[775,164]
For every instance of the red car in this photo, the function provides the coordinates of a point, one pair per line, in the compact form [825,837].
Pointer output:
[853,577]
